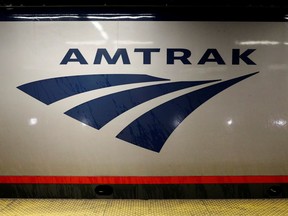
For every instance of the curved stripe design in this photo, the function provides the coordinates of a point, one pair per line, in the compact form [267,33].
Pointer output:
[98,112]
[51,90]
[152,129]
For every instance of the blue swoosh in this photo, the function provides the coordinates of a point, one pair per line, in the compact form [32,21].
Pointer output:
[152,129]
[100,111]
[51,90]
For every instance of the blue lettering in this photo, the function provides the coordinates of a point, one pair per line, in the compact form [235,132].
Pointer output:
[183,58]
[103,52]
[172,55]
[78,57]
[236,56]
[216,57]
[146,54]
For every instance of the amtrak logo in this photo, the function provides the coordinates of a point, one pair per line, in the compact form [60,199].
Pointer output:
[150,130]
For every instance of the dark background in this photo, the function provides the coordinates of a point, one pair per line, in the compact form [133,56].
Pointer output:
[202,10]
[150,3]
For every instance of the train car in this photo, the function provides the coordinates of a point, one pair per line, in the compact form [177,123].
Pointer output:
[150,103]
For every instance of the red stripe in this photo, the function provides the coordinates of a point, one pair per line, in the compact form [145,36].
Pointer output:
[141,179]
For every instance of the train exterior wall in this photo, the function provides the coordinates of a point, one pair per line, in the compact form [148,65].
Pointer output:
[113,102]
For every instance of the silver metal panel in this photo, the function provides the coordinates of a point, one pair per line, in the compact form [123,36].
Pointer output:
[240,131]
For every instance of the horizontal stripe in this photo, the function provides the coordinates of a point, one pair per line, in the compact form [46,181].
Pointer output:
[98,112]
[51,90]
[141,179]
[152,129]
